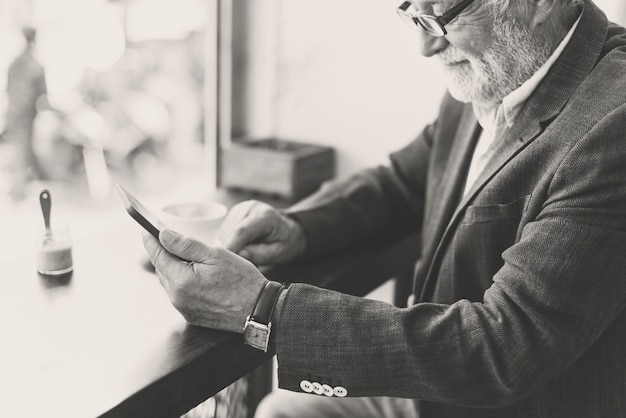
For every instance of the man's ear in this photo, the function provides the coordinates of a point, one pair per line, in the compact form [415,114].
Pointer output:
[555,14]
[542,11]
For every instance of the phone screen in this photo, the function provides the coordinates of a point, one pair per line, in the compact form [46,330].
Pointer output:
[143,216]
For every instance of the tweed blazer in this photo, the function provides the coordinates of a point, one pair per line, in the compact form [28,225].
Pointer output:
[521,282]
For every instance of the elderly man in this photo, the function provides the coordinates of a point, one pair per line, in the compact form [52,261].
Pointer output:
[519,191]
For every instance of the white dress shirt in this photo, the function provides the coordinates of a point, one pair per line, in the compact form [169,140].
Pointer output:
[494,119]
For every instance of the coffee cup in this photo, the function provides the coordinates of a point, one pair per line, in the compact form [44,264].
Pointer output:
[200,220]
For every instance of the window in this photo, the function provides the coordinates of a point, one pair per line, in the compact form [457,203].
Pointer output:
[101,92]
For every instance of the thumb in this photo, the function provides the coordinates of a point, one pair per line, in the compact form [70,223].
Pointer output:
[185,247]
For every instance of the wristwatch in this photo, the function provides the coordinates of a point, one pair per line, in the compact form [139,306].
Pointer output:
[257,329]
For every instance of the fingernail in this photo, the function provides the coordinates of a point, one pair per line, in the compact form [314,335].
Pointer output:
[168,236]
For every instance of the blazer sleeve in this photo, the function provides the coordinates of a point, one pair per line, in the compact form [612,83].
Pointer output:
[560,288]
[383,203]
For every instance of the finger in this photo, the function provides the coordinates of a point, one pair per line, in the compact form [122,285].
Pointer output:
[187,248]
[167,265]
[234,216]
[248,231]
[170,266]
[260,254]
[153,247]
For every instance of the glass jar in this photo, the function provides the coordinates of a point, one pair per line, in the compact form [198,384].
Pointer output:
[54,253]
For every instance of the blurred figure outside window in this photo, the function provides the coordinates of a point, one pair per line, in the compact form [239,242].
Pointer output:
[26,88]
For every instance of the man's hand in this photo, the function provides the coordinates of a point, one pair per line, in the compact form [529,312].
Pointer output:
[210,286]
[262,234]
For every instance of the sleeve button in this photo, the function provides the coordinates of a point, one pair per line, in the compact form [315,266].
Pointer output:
[328,391]
[306,386]
[317,388]
[340,391]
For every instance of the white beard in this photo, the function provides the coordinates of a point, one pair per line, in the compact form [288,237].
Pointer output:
[512,58]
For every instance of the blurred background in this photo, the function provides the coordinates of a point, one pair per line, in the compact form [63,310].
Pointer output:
[147,92]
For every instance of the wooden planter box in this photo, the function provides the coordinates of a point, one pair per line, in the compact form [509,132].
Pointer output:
[287,169]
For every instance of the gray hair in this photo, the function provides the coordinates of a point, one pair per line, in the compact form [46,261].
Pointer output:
[499,7]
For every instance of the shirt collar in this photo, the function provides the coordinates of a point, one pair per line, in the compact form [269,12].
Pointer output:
[492,117]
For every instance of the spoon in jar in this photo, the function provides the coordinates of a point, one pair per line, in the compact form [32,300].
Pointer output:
[45,201]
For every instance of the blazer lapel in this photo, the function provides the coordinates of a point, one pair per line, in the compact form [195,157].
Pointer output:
[513,141]
[449,191]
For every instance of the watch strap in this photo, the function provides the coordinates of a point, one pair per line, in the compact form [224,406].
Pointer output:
[266,302]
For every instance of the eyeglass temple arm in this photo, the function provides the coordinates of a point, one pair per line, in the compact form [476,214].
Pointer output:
[452,13]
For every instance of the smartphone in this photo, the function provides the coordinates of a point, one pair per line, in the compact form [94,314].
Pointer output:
[143,216]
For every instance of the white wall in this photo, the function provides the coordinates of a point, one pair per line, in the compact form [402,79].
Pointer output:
[614,9]
[346,74]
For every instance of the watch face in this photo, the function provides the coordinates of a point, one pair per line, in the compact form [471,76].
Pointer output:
[257,335]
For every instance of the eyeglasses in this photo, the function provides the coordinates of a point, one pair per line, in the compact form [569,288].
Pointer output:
[433,25]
